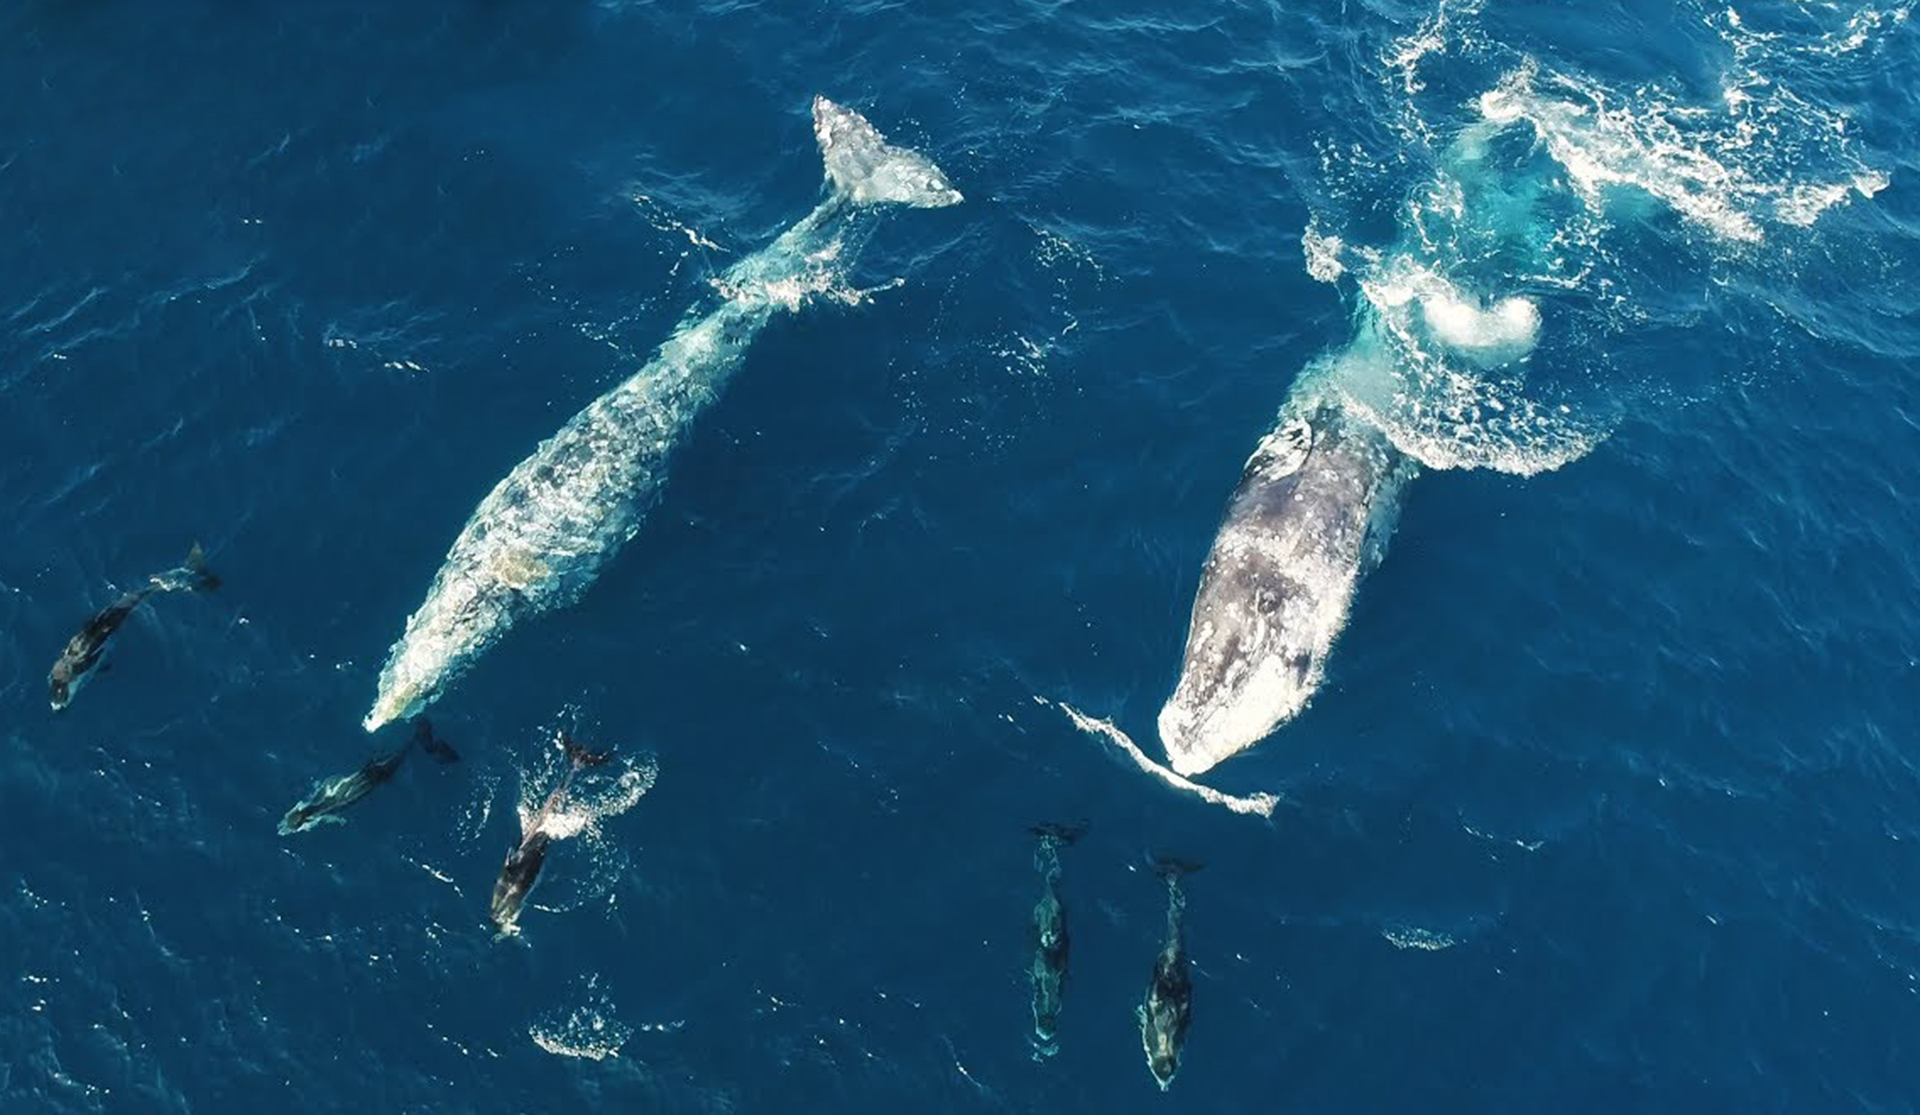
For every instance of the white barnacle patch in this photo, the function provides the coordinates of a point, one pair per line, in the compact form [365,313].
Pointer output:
[1284,450]
[517,567]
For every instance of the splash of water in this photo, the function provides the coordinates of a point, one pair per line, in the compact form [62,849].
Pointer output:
[591,800]
[1481,332]
[1730,172]
[590,1030]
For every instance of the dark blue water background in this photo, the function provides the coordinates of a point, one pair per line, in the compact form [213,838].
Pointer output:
[1609,803]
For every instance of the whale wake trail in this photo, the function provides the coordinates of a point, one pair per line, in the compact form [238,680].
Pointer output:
[1253,805]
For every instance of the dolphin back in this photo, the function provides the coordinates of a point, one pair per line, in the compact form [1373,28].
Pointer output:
[863,167]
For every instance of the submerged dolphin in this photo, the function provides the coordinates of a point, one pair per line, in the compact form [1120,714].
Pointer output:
[78,662]
[1167,1010]
[1050,940]
[330,796]
[524,862]
[1312,514]
[541,536]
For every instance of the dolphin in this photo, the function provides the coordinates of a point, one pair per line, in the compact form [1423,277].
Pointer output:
[1167,1010]
[1050,939]
[1312,514]
[82,657]
[543,534]
[526,859]
[330,796]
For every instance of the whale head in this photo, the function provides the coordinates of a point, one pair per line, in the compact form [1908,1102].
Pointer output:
[463,611]
[1253,658]
[863,166]
[396,701]
[1311,514]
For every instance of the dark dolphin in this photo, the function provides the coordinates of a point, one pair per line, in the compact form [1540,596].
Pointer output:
[1168,1008]
[82,657]
[1051,941]
[332,795]
[524,862]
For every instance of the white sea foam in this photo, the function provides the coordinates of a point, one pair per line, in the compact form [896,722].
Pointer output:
[1862,28]
[1457,354]
[1257,805]
[589,1031]
[1323,254]
[1442,370]
[1434,35]
[597,795]
[1730,170]
[1491,334]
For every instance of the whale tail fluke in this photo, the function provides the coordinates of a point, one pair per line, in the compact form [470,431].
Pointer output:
[432,744]
[1060,834]
[579,756]
[867,169]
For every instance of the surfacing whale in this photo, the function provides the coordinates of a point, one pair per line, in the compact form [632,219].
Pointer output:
[541,536]
[1312,514]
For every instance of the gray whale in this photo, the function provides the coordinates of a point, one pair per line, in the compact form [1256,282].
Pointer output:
[542,536]
[1312,514]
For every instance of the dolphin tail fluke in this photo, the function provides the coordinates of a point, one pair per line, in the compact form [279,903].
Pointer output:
[868,170]
[580,756]
[203,579]
[432,744]
[193,575]
[1060,834]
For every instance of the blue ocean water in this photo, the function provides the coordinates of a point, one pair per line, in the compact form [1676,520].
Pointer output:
[1609,801]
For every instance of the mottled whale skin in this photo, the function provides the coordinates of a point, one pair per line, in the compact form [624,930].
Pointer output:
[1312,514]
[541,537]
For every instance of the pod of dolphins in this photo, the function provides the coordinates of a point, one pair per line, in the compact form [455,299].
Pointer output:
[1312,513]
[1167,1009]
